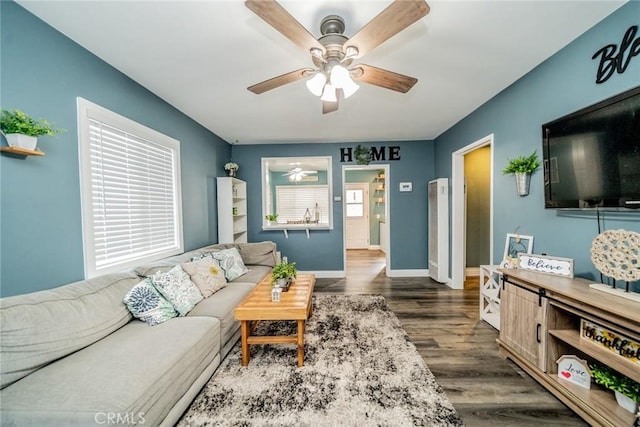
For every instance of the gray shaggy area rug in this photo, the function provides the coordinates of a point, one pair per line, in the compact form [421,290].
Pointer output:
[360,369]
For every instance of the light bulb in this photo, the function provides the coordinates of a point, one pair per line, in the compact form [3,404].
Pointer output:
[329,94]
[340,78]
[316,83]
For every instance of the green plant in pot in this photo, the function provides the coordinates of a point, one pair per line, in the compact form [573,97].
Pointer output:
[281,274]
[522,167]
[271,217]
[22,130]
[620,384]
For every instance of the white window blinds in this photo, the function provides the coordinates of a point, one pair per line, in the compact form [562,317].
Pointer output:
[293,201]
[131,194]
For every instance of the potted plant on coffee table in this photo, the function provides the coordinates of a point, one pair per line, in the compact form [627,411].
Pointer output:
[522,167]
[22,130]
[282,274]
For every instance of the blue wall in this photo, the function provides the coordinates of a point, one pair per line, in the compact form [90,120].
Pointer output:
[324,249]
[562,84]
[42,73]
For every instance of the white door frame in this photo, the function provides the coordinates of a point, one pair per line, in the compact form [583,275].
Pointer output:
[458,217]
[387,212]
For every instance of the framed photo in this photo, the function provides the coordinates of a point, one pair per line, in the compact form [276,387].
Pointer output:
[517,244]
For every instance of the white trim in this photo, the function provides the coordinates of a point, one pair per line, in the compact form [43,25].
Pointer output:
[374,247]
[387,203]
[458,239]
[409,273]
[326,274]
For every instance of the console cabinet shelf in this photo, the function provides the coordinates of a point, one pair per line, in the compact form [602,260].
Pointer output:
[541,318]
[232,210]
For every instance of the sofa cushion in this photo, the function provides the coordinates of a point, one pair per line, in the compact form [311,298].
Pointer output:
[147,304]
[221,305]
[176,286]
[207,274]
[166,264]
[135,372]
[40,327]
[260,253]
[231,262]
[253,275]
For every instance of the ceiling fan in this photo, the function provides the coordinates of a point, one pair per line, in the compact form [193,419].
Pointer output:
[333,53]
[296,174]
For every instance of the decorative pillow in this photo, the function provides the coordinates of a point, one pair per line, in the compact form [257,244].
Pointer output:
[178,289]
[231,262]
[207,274]
[145,303]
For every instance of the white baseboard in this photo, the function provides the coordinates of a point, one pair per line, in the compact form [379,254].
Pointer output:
[374,247]
[326,274]
[409,273]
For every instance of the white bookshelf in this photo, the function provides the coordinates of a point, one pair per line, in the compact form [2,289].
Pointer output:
[232,210]
[490,295]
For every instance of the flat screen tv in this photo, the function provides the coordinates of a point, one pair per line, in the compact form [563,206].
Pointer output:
[592,157]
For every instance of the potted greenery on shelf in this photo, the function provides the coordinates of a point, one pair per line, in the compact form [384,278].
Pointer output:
[23,131]
[626,390]
[271,218]
[282,274]
[522,167]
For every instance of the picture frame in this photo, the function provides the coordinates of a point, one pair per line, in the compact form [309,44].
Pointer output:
[517,244]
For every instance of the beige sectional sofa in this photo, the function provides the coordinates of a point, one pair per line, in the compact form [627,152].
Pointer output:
[75,355]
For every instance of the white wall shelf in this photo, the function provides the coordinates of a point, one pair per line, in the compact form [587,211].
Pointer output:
[232,210]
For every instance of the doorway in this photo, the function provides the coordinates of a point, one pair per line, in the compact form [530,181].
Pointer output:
[373,179]
[459,209]
[356,204]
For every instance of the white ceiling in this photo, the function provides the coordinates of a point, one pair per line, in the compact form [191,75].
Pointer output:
[200,56]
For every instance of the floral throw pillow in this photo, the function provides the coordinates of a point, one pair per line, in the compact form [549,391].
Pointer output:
[207,274]
[176,286]
[231,262]
[145,303]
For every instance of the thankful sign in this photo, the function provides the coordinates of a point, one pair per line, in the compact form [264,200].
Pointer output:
[612,341]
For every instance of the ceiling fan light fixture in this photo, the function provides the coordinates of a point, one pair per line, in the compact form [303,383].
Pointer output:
[341,79]
[329,93]
[316,84]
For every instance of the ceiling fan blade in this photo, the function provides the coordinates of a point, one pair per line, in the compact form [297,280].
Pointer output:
[329,107]
[282,80]
[383,78]
[275,15]
[395,18]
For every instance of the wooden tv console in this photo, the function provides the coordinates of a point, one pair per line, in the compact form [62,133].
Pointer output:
[540,317]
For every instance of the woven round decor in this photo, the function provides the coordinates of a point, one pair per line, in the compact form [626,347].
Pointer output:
[616,253]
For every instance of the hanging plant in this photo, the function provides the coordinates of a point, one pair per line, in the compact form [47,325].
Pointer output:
[522,164]
[363,155]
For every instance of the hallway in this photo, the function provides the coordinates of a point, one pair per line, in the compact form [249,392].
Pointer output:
[458,348]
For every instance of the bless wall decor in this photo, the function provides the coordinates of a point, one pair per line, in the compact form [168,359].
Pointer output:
[614,60]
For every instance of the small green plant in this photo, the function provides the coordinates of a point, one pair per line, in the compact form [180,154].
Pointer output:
[522,164]
[271,217]
[16,121]
[284,270]
[612,380]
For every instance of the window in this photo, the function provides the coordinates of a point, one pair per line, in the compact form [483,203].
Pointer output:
[293,185]
[355,203]
[296,201]
[130,183]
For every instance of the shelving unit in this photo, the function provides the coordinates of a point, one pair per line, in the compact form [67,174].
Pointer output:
[232,210]
[561,304]
[490,295]
[21,151]
[379,189]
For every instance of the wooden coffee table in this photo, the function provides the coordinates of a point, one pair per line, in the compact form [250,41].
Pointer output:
[295,304]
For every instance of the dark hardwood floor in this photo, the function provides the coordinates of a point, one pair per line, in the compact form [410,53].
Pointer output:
[458,347]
